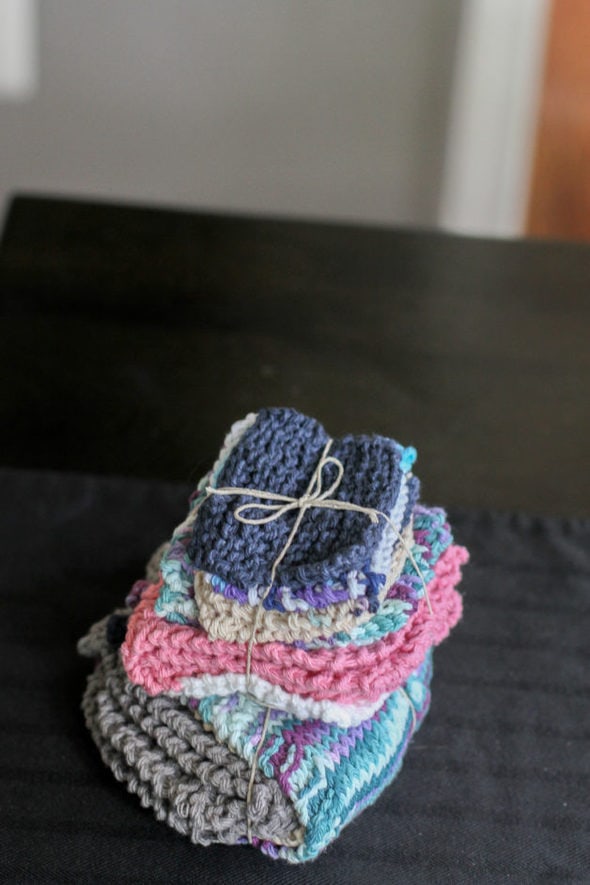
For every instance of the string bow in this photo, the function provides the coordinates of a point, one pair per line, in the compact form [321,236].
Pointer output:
[315,496]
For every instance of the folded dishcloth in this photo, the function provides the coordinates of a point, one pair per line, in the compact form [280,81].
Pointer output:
[279,453]
[177,767]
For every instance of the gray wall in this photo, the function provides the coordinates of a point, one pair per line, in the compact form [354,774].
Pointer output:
[331,109]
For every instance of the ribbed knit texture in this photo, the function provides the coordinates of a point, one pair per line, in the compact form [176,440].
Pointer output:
[159,749]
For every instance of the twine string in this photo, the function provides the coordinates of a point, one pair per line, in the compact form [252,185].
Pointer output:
[411,706]
[253,768]
[276,506]
[314,497]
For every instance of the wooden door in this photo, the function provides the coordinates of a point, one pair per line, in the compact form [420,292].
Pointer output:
[559,204]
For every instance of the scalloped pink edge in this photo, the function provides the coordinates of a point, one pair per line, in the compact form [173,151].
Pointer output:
[157,654]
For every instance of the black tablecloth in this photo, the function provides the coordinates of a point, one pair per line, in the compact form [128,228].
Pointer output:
[133,338]
[494,787]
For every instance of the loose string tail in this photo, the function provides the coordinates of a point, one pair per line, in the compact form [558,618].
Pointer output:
[253,768]
[276,507]
[412,708]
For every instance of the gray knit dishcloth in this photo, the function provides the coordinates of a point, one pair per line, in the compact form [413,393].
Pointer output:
[161,752]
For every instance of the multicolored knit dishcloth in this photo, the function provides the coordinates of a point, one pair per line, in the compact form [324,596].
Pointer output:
[276,660]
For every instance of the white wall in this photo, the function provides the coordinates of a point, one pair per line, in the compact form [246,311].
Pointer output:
[333,109]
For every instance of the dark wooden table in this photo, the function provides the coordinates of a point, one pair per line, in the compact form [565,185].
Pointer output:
[133,337]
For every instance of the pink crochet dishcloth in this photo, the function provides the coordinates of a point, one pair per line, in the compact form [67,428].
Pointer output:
[157,654]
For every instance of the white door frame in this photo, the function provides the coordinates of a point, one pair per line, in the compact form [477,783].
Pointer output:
[492,121]
[18,49]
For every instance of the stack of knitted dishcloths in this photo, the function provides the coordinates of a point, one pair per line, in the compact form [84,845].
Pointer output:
[263,682]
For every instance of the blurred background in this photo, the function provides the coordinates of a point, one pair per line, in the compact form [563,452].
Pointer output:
[465,115]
